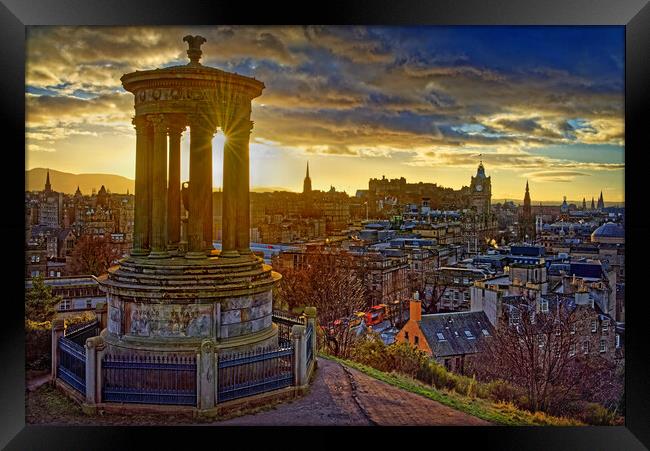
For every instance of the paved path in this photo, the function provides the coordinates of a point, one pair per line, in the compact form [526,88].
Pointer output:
[344,396]
[338,396]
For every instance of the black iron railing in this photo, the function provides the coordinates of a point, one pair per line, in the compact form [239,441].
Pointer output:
[310,343]
[80,332]
[250,373]
[71,366]
[285,321]
[149,379]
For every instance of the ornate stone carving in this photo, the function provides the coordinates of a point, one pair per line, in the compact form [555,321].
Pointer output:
[194,52]
[146,320]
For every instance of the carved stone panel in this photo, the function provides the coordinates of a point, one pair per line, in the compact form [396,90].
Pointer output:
[169,320]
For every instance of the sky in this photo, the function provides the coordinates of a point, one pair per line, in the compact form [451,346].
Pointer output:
[543,104]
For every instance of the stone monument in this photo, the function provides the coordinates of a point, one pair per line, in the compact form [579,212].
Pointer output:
[170,295]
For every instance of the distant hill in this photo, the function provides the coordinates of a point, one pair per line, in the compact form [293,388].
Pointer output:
[66,182]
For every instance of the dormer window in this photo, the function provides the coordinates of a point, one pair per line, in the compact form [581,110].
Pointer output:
[469,335]
[440,336]
[485,333]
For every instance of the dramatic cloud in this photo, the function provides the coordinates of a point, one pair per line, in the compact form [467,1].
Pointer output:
[424,94]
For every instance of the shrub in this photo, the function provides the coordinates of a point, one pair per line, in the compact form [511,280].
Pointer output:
[500,390]
[38,344]
[597,415]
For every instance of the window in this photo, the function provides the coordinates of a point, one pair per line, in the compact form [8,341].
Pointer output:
[594,325]
[65,304]
[417,340]
[440,336]
[406,336]
[514,317]
[486,333]
[585,347]
[540,340]
[573,328]
[603,345]
[605,325]
[51,273]
[543,305]
[618,341]
[572,349]
[469,335]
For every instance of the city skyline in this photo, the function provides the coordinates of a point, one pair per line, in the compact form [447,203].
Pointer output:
[425,103]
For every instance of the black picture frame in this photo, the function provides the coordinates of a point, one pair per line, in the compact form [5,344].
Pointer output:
[15,15]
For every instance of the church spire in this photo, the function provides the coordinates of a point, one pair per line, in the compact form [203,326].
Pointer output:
[306,185]
[48,185]
[601,203]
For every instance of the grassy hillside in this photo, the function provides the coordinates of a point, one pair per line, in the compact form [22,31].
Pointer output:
[500,413]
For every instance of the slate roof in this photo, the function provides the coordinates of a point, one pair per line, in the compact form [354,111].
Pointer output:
[453,327]
[609,229]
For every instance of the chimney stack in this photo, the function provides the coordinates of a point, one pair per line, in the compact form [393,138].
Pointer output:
[415,310]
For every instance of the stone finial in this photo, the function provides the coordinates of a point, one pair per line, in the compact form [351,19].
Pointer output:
[194,52]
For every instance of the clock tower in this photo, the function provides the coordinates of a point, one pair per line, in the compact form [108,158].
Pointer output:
[480,192]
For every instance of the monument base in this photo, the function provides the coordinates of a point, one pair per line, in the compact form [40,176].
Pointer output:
[172,305]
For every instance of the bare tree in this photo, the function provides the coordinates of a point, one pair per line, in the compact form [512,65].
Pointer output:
[329,282]
[93,255]
[536,350]
[437,284]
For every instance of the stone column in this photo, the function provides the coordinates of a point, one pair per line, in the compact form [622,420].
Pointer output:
[159,188]
[207,376]
[101,312]
[93,369]
[200,187]
[58,329]
[310,313]
[300,355]
[142,188]
[241,140]
[174,186]
[229,197]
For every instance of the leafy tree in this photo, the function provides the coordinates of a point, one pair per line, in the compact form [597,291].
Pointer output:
[93,255]
[40,304]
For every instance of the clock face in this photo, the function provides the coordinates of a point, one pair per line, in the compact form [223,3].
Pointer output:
[479,187]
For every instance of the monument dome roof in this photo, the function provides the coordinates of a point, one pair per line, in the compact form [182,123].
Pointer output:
[609,230]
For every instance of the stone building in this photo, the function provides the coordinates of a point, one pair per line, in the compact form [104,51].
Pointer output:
[451,339]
